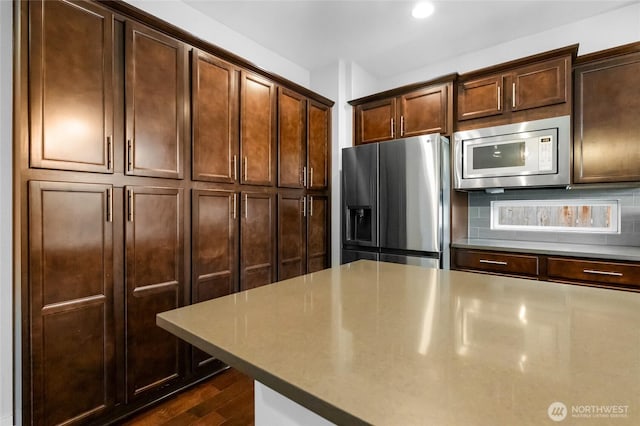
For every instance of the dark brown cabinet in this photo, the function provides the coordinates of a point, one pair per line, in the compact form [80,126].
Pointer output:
[292,217]
[530,88]
[155,100]
[496,262]
[317,232]
[318,144]
[154,284]
[257,239]
[71,86]
[214,249]
[214,97]
[72,341]
[291,139]
[606,133]
[257,130]
[404,112]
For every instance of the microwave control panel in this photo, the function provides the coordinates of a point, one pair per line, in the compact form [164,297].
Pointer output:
[545,153]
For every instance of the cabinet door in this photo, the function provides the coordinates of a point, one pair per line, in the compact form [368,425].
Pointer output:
[292,212]
[480,98]
[257,134]
[318,142]
[375,121]
[540,84]
[155,87]
[71,86]
[607,125]
[71,297]
[214,249]
[257,244]
[154,284]
[317,233]
[214,95]
[424,111]
[291,139]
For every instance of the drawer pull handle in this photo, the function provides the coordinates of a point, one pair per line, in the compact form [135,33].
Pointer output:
[494,262]
[593,271]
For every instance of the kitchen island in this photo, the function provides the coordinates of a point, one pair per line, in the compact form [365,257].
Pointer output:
[388,344]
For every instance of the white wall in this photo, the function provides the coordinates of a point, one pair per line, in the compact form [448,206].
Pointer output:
[620,26]
[6,284]
[193,21]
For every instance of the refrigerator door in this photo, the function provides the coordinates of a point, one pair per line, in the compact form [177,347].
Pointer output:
[360,195]
[427,262]
[410,194]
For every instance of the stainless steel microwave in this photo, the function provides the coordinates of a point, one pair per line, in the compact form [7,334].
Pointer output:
[529,154]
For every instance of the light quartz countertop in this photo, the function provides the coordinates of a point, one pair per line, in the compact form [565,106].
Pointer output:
[388,344]
[626,253]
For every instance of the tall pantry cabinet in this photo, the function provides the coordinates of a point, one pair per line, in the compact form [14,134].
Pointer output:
[149,176]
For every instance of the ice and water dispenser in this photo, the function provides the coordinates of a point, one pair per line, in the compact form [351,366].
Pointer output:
[360,224]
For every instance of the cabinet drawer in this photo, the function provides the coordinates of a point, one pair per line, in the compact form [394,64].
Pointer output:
[593,271]
[513,264]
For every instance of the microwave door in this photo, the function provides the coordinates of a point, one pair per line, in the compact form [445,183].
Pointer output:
[497,159]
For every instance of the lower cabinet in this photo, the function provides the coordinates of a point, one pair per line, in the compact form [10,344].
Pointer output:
[72,339]
[318,233]
[154,284]
[257,240]
[570,270]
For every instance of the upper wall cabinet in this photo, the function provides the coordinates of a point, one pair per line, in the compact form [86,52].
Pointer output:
[214,97]
[407,111]
[155,103]
[71,86]
[318,144]
[606,133]
[291,139]
[257,129]
[527,89]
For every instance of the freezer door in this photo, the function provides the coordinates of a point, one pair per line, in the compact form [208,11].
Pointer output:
[410,194]
[360,195]
[349,256]
[427,262]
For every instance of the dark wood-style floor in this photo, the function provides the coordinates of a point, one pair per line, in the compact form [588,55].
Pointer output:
[226,399]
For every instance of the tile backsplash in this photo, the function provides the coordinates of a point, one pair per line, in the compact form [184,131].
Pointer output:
[629,204]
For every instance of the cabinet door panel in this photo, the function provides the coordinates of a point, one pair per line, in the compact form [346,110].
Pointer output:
[318,233]
[375,121]
[257,134]
[154,265]
[291,138]
[215,119]
[318,141]
[606,125]
[257,247]
[291,235]
[540,84]
[154,88]
[214,249]
[72,312]
[423,112]
[480,98]
[71,86]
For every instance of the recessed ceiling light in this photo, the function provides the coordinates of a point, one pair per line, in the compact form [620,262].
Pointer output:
[422,10]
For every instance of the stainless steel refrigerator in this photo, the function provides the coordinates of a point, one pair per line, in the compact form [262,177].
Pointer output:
[395,201]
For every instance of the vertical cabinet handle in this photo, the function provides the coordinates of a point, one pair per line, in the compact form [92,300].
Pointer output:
[304,206]
[402,125]
[129,155]
[310,205]
[392,129]
[498,98]
[130,203]
[513,95]
[246,206]
[235,204]
[110,205]
[304,176]
[311,177]
[246,160]
[235,167]
[109,153]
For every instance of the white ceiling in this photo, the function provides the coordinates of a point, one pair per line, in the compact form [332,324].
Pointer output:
[381,36]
